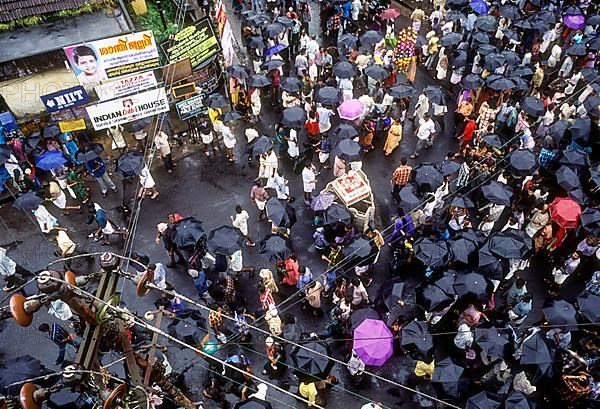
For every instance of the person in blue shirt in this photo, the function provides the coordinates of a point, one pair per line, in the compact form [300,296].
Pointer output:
[61,337]
[98,169]
[345,14]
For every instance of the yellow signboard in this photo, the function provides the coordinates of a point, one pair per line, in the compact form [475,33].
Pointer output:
[70,126]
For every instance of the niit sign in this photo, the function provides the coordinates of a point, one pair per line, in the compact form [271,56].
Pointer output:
[65,98]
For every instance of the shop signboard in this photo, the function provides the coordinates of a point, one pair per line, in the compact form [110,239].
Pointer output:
[198,43]
[65,98]
[190,108]
[126,86]
[72,125]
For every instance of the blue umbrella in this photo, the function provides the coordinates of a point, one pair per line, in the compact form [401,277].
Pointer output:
[479,6]
[50,160]
[274,50]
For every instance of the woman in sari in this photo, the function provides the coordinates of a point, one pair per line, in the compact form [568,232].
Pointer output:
[393,139]
[79,188]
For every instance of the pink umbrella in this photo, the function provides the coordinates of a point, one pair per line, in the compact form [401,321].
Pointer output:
[351,109]
[373,342]
[389,14]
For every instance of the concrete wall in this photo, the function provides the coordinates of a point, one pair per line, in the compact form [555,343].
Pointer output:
[23,95]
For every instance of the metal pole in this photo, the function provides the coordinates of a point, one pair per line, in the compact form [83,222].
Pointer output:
[162,14]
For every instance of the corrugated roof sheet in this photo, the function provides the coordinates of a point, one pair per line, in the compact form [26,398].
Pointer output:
[16,9]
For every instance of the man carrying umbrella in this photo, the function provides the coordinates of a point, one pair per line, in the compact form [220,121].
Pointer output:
[400,178]
[97,168]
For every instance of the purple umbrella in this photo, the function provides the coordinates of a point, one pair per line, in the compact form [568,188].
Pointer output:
[351,109]
[574,21]
[373,342]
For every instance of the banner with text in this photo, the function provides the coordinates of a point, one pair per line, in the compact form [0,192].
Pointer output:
[225,33]
[73,125]
[191,107]
[113,57]
[126,86]
[198,43]
[65,98]
[128,109]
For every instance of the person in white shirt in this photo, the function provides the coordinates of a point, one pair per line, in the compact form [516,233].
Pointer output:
[161,141]
[309,182]
[355,8]
[229,142]
[424,133]
[324,118]
[148,184]
[240,221]
[301,63]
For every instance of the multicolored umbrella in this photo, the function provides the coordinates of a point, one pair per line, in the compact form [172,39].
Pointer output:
[373,342]
[351,109]
[565,212]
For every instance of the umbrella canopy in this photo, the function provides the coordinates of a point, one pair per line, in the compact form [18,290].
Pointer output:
[576,49]
[492,266]
[537,357]
[581,129]
[448,375]
[139,125]
[401,91]
[361,249]
[370,37]
[51,130]
[273,30]
[389,14]
[130,164]
[231,116]
[518,401]
[328,95]
[461,249]
[432,253]
[272,64]
[262,145]
[574,157]
[472,81]
[493,140]
[485,49]
[479,6]
[357,317]
[494,61]
[184,331]
[347,40]
[557,129]
[237,71]
[225,240]
[498,193]
[470,283]
[337,213]
[435,94]
[322,202]
[523,162]
[491,341]
[277,247]
[28,201]
[187,232]
[567,178]
[285,21]
[500,83]
[589,306]
[309,366]
[344,131]
[253,403]
[510,243]
[454,15]
[408,198]
[483,400]
[294,117]
[565,212]
[277,213]
[522,70]
[50,160]
[344,69]
[373,342]
[256,42]
[481,37]
[376,71]
[348,150]
[448,167]
[439,293]
[533,106]
[560,312]
[575,22]
[259,80]
[217,101]
[510,11]
[351,109]
[292,84]
[486,23]
[428,177]
[451,39]
[416,335]
[89,152]
[590,220]
[17,369]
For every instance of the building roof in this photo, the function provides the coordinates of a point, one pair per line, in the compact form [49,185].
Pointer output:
[16,9]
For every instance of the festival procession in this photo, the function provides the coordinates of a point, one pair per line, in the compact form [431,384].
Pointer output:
[364,204]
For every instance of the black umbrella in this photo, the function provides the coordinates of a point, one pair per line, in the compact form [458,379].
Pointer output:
[257,20]
[493,267]
[493,140]
[402,91]
[472,81]
[186,332]
[537,357]
[510,11]
[574,157]
[276,212]
[361,249]
[483,400]
[370,37]
[451,39]
[294,117]
[557,129]
[237,71]
[231,116]
[67,399]
[416,335]
[523,162]
[462,201]
[272,64]
[449,167]
[498,193]
[347,40]
[470,283]
[523,70]
[337,213]
[589,306]
[457,4]
[590,220]
[459,59]
[461,249]
[292,84]
[217,101]
[31,143]
[328,95]
[253,403]
[431,252]
[310,366]
[394,295]
[435,94]
[494,61]
[89,152]
[187,232]
[567,178]
[576,49]
[500,84]
[358,316]
[533,106]
[130,164]
[256,42]
[547,16]
[428,177]
[518,401]
[273,30]
[348,150]
[376,71]
[51,130]
[512,59]
[344,131]
[408,198]
[491,341]
[225,240]
[593,20]
[277,247]
[262,145]
[581,129]
[454,15]
[481,37]
[448,375]
[258,81]
[28,201]
[589,74]
[560,312]
[591,104]
[285,21]
[433,297]
[485,49]
[344,69]
[510,243]
[17,369]
[486,22]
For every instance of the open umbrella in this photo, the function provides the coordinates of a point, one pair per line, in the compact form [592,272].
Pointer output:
[455,15]
[512,59]
[217,101]
[294,117]
[494,61]
[328,95]
[435,94]
[89,152]
[431,252]
[560,312]
[590,220]
[574,157]
[567,178]
[523,162]
[186,332]
[574,21]
[258,81]
[581,129]
[262,145]
[344,131]
[415,335]
[272,64]
[500,83]
[463,202]
[537,357]
[357,317]
[493,140]
[486,23]
[347,40]
[389,14]
[337,213]
[347,149]
[533,106]
[231,116]
[451,39]
[485,49]
[28,201]
[457,4]
[510,243]
[565,212]
[277,247]
[187,232]
[225,240]
[491,341]
[253,403]
[448,375]
[428,177]
[479,6]
[523,71]
[370,37]
[50,160]
[276,212]
[402,91]
[285,21]
[17,369]
[351,109]
[51,130]
[273,30]
[377,72]
[470,283]
[344,69]
[498,193]
[589,306]
[518,401]
[130,163]
[309,366]
[461,249]
[557,129]
[433,297]
[448,167]
[472,81]
[373,342]
[409,199]
[481,37]
[256,42]
[510,11]
[361,250]
[31,143]
[483,400]
[237,71]
[576,49]
[493,267]
[322,201]
[292,84]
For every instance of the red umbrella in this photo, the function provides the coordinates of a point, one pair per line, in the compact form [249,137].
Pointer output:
[565,212]
[389,14]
